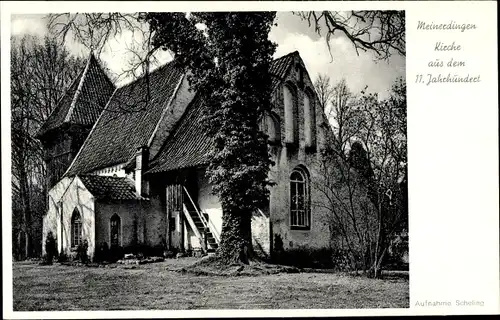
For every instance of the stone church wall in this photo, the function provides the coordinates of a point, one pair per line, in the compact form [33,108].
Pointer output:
[69,195]
[304,153]
[142,222]
[51,220]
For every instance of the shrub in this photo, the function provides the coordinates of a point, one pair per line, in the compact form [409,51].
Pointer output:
[142,250]
[276,254]
[62,257]
[115,253]
[102,252]
[81,252]
[322,258]
[304,257]
[341,260]
[397,253]
[50,248]
[45,261]
[171,253]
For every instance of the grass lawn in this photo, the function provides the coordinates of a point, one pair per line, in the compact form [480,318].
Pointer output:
[158,287]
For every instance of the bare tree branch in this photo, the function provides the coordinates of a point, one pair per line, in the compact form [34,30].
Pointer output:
[381,32]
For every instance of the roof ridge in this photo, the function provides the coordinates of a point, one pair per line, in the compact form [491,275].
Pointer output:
[172,62]
[42,129]
[107,78]
[146,73]
[288,54]
[98,175]
[167,107]
[88,136]
[174,132]
[78,90]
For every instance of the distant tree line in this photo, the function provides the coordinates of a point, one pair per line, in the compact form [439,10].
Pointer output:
[41,70]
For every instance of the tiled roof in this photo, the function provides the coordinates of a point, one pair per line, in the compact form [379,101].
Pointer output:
[110,188]
[189,144]
[132,114]
[128,121]
[280,66]
[83,101]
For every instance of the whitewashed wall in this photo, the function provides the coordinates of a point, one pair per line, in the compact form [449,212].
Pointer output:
[68,194]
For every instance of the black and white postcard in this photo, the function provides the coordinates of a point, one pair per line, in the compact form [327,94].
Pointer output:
[215,159]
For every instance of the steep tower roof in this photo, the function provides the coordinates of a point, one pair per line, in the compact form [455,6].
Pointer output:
[83,101]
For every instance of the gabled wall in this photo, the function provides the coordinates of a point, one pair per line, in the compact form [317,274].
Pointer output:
[141,223]
[305,153]
[51,219]
[68,194]
[172,114]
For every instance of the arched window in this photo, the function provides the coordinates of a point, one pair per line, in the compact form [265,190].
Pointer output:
[115,230]
[76,228]
[309,120]
[291,114]
[270,124]
[299,199]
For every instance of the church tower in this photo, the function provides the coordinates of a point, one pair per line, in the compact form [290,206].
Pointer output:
[67,127]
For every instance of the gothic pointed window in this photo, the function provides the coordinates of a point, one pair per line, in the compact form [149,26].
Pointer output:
[291,114]
[299,200]
[76,229]
[115,230]
[270,125]
[309,120]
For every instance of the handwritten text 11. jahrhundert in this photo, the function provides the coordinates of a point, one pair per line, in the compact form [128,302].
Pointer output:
[445,68]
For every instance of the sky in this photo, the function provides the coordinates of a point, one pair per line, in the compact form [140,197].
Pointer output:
[290,34]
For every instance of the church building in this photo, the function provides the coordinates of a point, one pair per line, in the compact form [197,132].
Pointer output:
[127,165]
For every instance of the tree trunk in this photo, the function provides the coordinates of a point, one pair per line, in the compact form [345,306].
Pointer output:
[19,245]
[27,245]
[377,266]
[236,237]
[26,211]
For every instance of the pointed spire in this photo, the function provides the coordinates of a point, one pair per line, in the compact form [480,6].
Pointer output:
[69,108]
[79,89]
[93,55]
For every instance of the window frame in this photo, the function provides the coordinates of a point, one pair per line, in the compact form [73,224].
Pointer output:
[305,212]
[115,217]
[76,235]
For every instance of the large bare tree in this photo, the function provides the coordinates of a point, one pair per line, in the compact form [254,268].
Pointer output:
[40,71]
